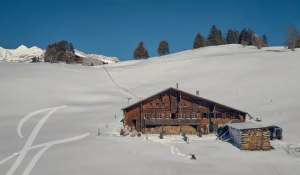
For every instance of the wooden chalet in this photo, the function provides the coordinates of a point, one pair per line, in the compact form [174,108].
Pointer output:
[173,111]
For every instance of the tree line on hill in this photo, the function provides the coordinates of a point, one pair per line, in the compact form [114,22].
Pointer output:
[63,51]
[215,37]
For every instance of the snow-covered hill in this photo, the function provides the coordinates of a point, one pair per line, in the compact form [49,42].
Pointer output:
[97,58]
[24,54]
[264,83]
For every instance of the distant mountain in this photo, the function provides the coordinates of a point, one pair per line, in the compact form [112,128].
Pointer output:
[24,54]
[20,54]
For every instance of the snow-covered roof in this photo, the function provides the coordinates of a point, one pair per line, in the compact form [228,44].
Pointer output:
[245,125]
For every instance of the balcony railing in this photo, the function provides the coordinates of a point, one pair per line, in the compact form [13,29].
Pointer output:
[169,121]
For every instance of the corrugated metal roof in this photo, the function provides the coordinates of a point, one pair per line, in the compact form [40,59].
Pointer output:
[245,125]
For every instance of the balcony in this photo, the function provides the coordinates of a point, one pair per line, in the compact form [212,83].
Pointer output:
[169,121]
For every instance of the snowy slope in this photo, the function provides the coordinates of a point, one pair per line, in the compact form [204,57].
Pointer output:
[102,58]
[263,82]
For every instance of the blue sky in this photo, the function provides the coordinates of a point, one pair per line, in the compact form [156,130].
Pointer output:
[114,27]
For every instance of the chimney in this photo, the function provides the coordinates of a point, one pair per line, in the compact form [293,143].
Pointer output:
[197,92]
[177,85]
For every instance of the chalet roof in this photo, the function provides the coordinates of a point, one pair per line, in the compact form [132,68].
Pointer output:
[245,125]
[189,94]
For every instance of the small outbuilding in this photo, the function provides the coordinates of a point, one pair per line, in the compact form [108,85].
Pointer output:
[249,136]
[275,132]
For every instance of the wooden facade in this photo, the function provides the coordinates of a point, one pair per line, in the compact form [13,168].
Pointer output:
[173,108]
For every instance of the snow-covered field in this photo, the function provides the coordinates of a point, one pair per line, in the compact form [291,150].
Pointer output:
[80,99]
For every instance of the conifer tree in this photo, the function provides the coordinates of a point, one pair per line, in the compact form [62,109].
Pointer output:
[199,41]
[140,52]
[215,36]
[247,37]
[232,37]
[163,48]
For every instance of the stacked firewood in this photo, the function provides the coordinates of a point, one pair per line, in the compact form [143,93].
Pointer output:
[255,139]
[172,130]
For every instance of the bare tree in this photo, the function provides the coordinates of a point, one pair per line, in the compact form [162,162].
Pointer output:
[292,37]
[259,42]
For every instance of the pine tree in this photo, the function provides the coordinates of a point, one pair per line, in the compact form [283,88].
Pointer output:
[247,37]
[199,41]
[215,36]
[163,48]
[232,37]
[140,52]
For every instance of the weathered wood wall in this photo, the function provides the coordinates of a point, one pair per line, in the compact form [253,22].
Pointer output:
[175,106]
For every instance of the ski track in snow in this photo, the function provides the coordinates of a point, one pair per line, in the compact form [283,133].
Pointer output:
[125,90]
[173,149]
[28,116]
[28,145]
[56,142]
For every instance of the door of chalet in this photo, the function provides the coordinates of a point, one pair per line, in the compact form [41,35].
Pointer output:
[174,107]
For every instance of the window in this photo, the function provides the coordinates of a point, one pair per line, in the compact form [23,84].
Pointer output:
[205,115]
[179,115]
[193,115]
[146,115]
[173,116]
[153,115]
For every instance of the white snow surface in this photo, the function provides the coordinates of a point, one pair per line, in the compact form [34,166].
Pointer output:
[264,83]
